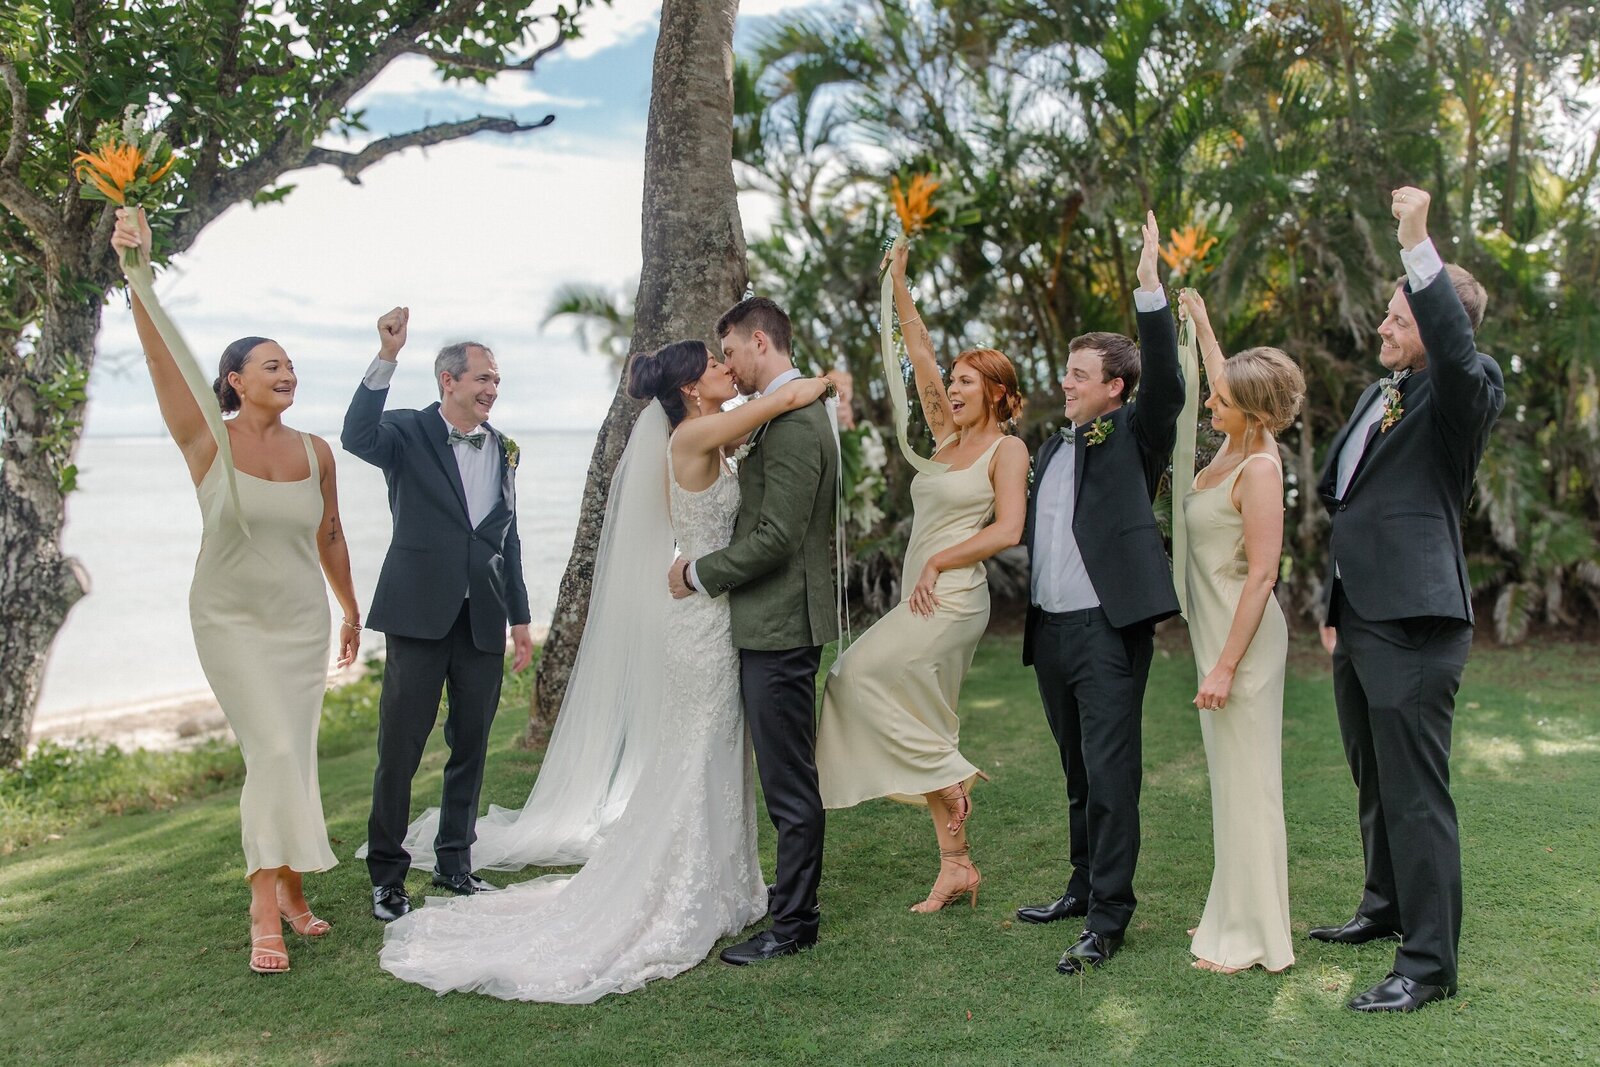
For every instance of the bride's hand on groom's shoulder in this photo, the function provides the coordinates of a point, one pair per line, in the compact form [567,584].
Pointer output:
[803,391]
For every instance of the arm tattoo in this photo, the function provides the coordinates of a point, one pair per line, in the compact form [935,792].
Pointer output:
[933,405]
[333,530]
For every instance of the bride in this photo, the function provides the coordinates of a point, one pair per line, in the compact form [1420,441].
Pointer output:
[647,777]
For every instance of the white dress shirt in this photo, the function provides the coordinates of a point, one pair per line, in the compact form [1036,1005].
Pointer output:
[1059,578]
[479,467]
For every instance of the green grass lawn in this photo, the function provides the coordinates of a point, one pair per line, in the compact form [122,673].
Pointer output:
[126,942]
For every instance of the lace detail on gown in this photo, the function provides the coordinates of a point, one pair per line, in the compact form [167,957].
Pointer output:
[676,872]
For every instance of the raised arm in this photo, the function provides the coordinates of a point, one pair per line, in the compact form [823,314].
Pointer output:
[919,348]
[708,433]
[365,434]
[794,475]
[180,410]
[1467,392]
[1193,306]
[1160,401]
[334,552]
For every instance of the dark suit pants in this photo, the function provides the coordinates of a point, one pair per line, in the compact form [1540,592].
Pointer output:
[1092,678]
[780,705]
[1395,686]
[415,672]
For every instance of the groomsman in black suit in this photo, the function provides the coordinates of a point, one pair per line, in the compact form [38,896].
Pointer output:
[1100,583]
[450,582]
[1399,607]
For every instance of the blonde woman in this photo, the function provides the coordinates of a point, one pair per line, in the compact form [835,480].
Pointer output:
[1234,516]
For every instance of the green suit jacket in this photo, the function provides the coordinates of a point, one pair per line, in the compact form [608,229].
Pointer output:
[778,570]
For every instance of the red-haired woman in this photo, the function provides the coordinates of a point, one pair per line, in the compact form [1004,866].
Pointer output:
[889,725]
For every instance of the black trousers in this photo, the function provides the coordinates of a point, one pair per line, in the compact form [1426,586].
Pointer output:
[1092,678]
[780,705]
[415,671]
[1395,686]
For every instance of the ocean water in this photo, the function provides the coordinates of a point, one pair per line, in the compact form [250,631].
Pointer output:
[135,525]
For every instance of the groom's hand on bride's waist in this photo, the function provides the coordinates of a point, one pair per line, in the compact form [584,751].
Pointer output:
[678,579]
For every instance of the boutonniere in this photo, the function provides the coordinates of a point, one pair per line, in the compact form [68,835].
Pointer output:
[742,451]
[1098,431]
[513,452]
[1394,403]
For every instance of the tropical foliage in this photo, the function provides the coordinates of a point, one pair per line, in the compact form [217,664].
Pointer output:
[1266,137]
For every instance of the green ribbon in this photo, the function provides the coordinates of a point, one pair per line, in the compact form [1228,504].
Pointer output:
[142,281]
[894,377]
[1183,459]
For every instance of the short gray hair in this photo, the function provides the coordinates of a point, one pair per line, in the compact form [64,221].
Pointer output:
[452,359]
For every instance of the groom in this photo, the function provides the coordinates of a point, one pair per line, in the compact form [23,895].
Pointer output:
[778,574]
[451,580]
[1100,582]
[1399,607]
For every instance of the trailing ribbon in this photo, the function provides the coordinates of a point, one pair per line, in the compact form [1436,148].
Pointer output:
[1183,459]
[142,281]
[894,377]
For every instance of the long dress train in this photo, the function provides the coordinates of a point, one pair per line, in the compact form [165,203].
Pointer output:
[675,872]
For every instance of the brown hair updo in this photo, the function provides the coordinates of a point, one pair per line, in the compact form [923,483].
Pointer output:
[662,374]
[1001,396]
[1266,385]
[234,357]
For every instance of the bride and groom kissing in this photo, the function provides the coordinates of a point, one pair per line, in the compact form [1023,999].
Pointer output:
[646,779]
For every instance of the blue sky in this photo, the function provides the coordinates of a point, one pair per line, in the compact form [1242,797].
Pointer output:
[474,237]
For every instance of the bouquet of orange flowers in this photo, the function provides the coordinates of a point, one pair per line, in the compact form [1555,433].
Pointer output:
[125,164]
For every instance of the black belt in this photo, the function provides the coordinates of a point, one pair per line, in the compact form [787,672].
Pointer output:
[1094,614]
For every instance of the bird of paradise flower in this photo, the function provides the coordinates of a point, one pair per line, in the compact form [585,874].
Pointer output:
[914,204]
[1188,249]
[126,163]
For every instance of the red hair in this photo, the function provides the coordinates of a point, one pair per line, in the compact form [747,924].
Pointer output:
[1001,395]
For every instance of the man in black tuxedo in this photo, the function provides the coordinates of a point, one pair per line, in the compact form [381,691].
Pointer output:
[1100,582]
[450,582]
[1399,607]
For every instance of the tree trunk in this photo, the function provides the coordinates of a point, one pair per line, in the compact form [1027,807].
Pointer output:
[38,586]
[693,270]
[1508,201]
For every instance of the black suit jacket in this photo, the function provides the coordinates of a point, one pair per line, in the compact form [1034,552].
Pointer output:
[1397,532]
[436,556]
[1116,482]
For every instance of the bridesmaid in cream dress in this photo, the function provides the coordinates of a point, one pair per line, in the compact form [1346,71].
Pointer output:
[257,605]
[1234,517]
[889,725]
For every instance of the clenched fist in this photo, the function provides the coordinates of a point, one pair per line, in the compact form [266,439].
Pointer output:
[392,333]
[1410,208]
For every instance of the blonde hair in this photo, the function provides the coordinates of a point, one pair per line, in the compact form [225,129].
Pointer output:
[998,374]
[1266,385]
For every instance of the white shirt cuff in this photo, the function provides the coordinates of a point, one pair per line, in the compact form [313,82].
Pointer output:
[1422,265]
[694,578]
[1149,299]
[379,374]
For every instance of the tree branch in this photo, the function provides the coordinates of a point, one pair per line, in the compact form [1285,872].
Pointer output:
[488,66]
[353,163]
[19,116]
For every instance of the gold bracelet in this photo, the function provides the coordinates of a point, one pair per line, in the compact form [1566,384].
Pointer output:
[907,322]
[353,625]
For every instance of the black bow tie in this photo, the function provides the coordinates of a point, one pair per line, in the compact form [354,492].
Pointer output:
[475,439]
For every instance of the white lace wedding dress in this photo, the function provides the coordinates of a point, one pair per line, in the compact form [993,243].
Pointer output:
[675,872]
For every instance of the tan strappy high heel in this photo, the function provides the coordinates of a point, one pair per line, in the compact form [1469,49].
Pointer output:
[314,927]
[257,951]
[938,901]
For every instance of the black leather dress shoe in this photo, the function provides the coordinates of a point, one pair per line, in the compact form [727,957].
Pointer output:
[389,902]
[1399,993]
[1067,907]
[464,884]
[1357,931]
[764,946]
[1092,950]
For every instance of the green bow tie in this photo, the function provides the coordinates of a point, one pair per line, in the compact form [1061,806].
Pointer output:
[474,439]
